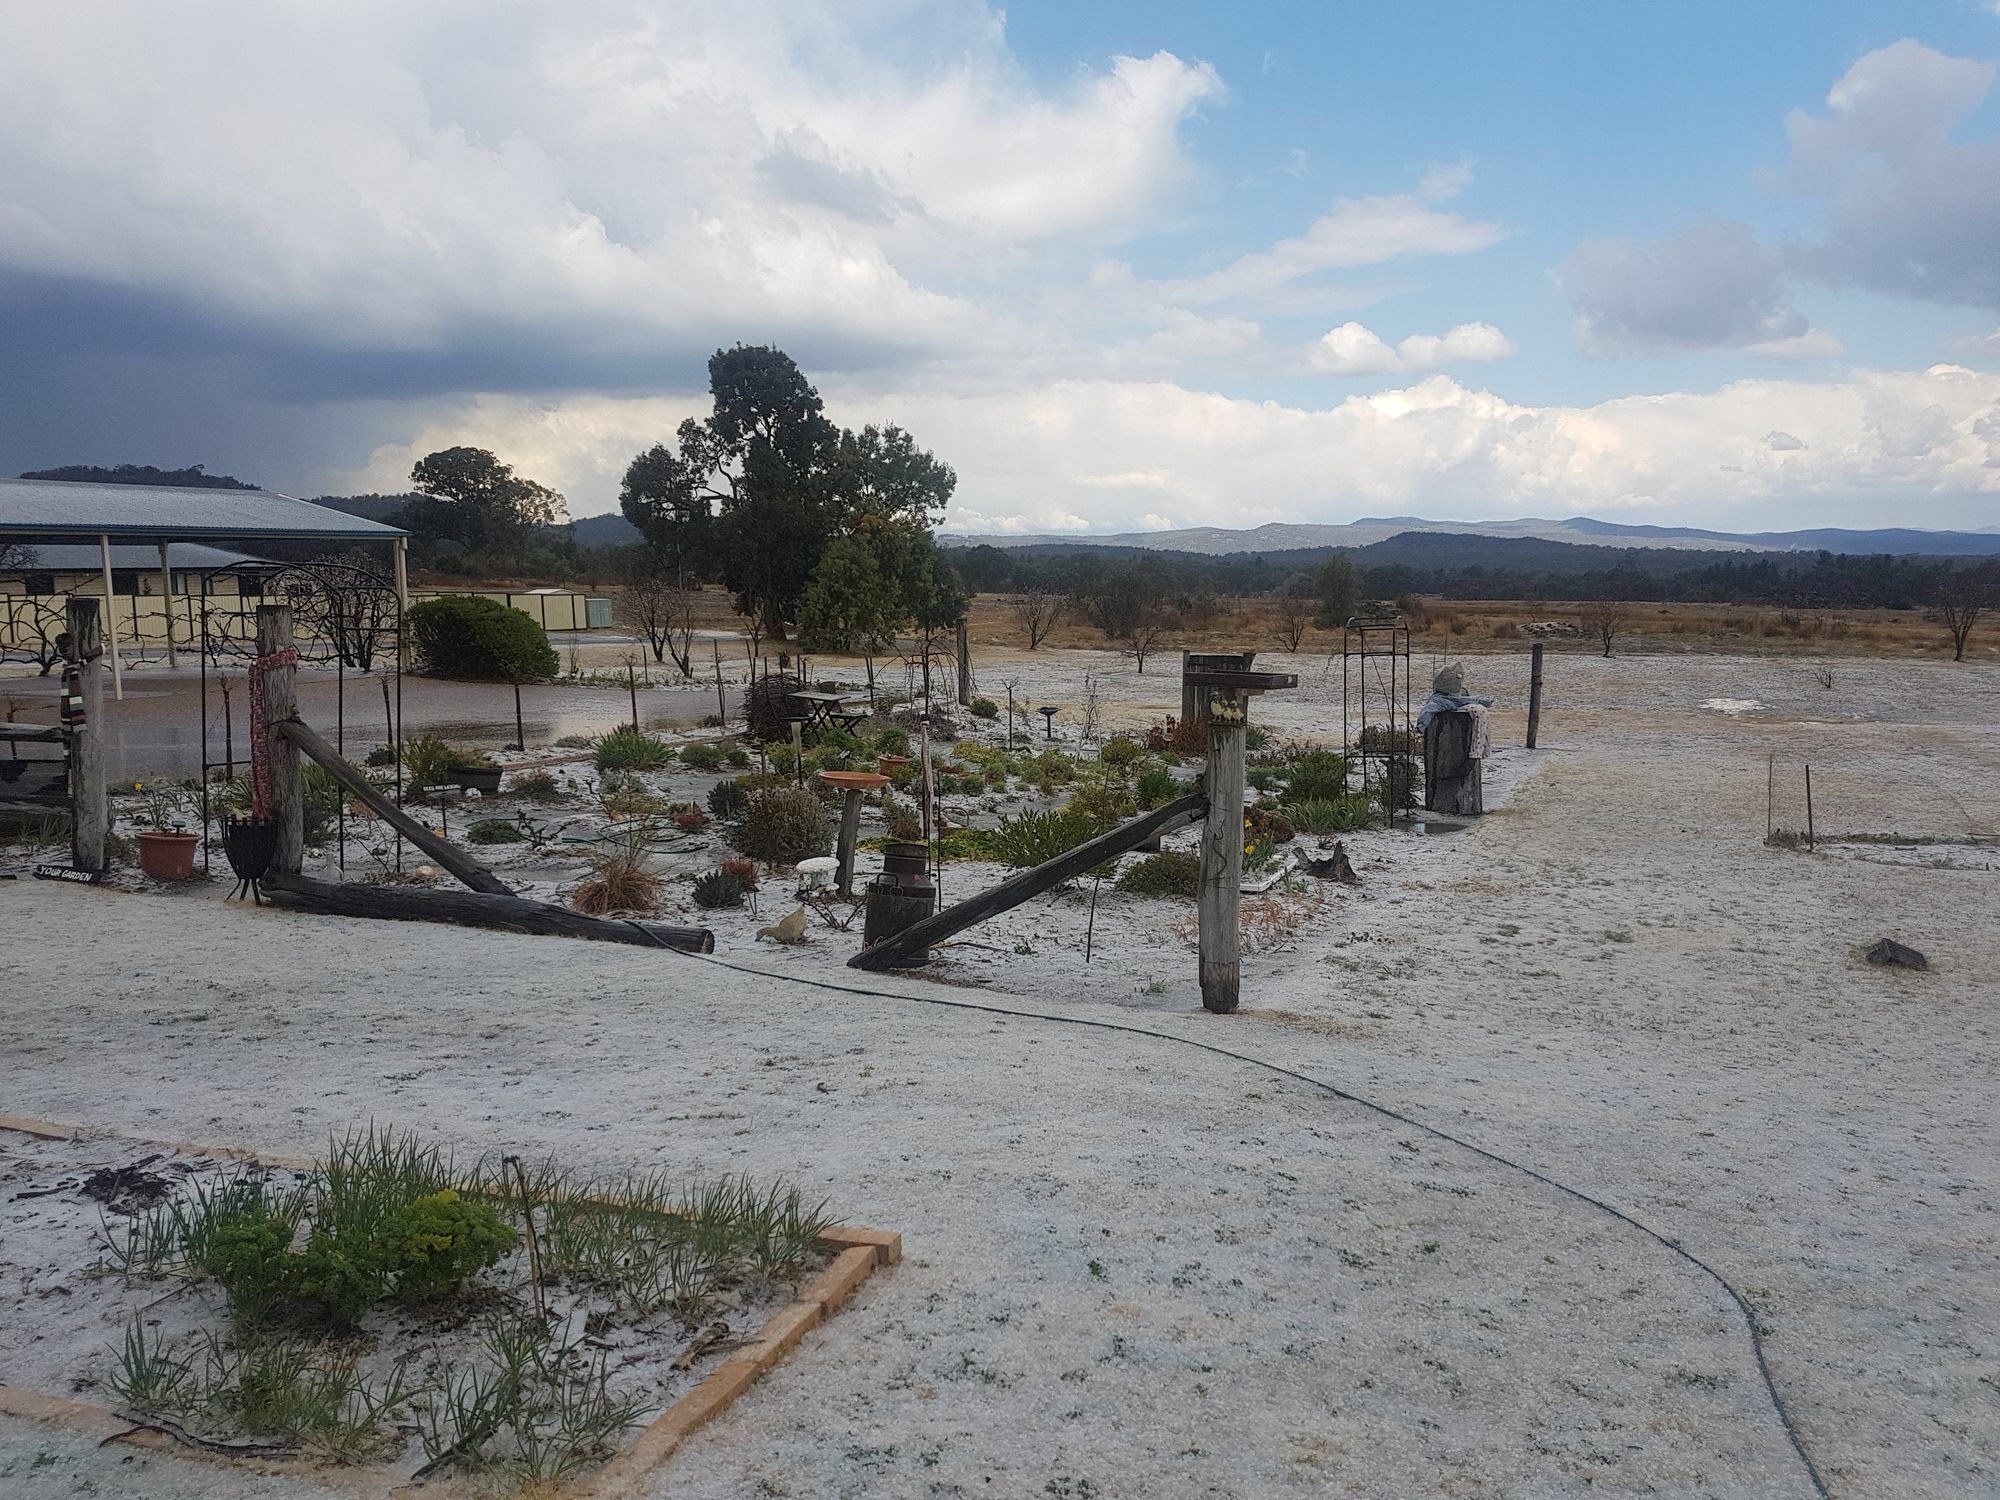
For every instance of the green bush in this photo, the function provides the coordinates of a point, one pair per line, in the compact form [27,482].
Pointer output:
[494,831]
[629,749]
[985,708]
[702,757]
[1331,814]
[321,802]
[1316,776]
[464,636]
[1121,751]
[1168,873]
[1104,804]
[429,760]
[1034,838]
[768,706]
[737,757]
[718,890]
[891,742]
[381,755]
[433,1246]
[728,800]
[784,825]
[1155,787]
[327,1284]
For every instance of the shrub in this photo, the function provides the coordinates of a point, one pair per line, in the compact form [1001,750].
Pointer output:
[619,879]
[461,635]
[575,742]
[737,757]
[1034,838]
[1155,787]
[906,828]
[1181,737]
[1316,776]
[321,802]
[1169,873]
[702,757]
[784,825]
[429,760]
[767,707]
[1268,826]
[689,818]
[1399,784]
[1105,805]
[1384,739]
[494,831]
[537,786]
[381,755]
[1053,768]
[719,890]
[985,708]
[629,749]
[1121,751]
[892,742]
[728,800]
[745,871]
[1331,814]
[433,1246]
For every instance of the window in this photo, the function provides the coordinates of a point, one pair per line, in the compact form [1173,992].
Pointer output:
[39,583]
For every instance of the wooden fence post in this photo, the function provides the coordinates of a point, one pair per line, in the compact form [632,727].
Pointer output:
[1222,855]
[276,700]
[964,664]
[1534,694]
[91,825]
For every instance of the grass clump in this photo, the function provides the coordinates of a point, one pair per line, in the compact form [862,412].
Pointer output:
[1034,838]
[619,878]
[629,749]
[1342,814]
[984,708]
[1316,776]
[1169,873]
[494,831]
[537,786]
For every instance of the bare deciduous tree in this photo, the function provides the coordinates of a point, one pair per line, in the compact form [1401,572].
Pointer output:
[1145,632]
[1038,612]
[661,609]
[1603,619]
[1296,608]
[1963,595]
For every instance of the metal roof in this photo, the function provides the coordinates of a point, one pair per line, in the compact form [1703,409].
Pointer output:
[83,557]
[142,512]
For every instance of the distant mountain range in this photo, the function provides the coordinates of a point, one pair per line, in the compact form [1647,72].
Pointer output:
[1280,536]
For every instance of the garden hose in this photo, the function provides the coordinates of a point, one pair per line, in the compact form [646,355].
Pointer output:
[1743,1307]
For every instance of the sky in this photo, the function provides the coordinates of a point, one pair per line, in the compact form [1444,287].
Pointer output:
[1125,265]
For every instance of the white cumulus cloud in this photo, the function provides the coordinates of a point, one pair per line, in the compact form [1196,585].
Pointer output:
[1354,349]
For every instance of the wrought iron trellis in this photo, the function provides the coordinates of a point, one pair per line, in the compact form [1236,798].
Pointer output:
[344,614]
[1375,660]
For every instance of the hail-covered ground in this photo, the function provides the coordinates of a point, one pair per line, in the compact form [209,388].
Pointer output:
[1137,1268]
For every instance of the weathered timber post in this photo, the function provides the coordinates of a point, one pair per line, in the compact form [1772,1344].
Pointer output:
[1222,856]
[167,593]
[850,834]
[1453,781]
[1534,694]
[277,777]
[92,823]
[1223,684]
[964,664]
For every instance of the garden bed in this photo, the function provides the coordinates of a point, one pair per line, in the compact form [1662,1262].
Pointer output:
[444,1344]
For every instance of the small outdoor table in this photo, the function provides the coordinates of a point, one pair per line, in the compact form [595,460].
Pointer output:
[831,710]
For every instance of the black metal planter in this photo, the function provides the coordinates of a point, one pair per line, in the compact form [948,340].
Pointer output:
[251,844]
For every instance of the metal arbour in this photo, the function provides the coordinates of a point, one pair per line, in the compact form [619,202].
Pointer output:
[1379,736]
[345,614]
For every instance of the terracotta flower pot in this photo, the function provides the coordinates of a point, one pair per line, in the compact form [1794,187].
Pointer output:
[887,764]
[167,856]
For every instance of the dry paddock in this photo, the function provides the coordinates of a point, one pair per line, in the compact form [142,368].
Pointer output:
[1139,1269]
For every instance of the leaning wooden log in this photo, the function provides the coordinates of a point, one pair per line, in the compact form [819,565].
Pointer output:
[1025,886]
[476,909]
[467,869]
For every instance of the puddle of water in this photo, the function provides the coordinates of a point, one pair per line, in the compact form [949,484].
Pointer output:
[1431,827]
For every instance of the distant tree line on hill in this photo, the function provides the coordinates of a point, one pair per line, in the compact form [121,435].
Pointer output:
[190,478]
[1540,570]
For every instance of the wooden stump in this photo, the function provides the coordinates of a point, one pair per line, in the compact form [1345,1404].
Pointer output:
[1452,777]
[850,834]
[1534,694]
[91,825]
